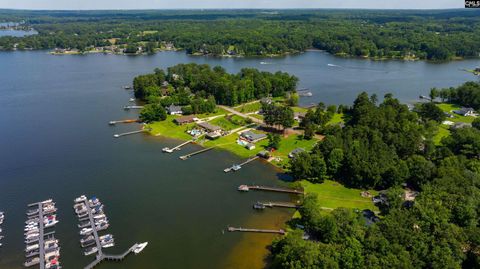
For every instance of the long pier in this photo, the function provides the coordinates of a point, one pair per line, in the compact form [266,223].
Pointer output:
[279,204]
[238,166]
[113,122]
[170,150]
[130,133]
[250,230]
[184,157]
[266,188]
[132,107]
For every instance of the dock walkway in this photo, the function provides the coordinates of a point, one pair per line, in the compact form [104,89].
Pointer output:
[226,170]
[130,133]
[184,157]
[266,188]
[280,204]
[170,150]
[250,230]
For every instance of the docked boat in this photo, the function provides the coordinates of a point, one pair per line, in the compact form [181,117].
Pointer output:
[109,245]
[49,201]
[243,188]
[84,224]
[31,247]
[81,198]
[140,247]
[32,253]
[94,201]
[258,205]
[90,251]
[52,264]
[131,100]
[99,216]
[82,215]
[88,243]
[106,237]
[32,212]
[236,167]
[86,231]
[86,239]
[2,217]
[52,254]
[102,226]
[32,262]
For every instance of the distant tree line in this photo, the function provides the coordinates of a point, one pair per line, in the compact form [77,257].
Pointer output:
[423,35]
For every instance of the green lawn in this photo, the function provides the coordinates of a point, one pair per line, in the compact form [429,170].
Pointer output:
[250,107]
[299,109]
[169,129]
[229,143]
[337,118]
[332,195]
[456,118]
[224,123]
[442,132]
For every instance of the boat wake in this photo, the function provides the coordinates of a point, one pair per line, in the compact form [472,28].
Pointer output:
[333,65]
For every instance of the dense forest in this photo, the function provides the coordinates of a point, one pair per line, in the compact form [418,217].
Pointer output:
[434,35]
[386,146]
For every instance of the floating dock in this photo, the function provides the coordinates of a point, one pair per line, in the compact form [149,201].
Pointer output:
[132,107]
[236,167]
[266,188]
[170,150]
[131,133]
[249,230]
[184,157]
[113,122]
[102,257]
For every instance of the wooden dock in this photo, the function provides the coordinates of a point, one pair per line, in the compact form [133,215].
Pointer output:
[113,122]
[184,157]
[279,204]
[170,150]
[266,188]
[250,230]
[238,166]
[131,133]
[132,107]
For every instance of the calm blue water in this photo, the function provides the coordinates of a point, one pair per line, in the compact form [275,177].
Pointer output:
[55,143]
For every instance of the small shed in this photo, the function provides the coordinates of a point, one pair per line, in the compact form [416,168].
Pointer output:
[250,146]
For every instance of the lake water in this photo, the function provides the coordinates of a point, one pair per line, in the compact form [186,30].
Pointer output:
[55,143]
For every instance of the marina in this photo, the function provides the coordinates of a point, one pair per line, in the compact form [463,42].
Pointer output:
[90,226]
[237,167]
[41,247]
[246,188]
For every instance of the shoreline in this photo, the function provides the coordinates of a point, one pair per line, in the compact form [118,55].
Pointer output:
[266,56]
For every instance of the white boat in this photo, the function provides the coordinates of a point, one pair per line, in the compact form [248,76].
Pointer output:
[86,231]
[99,216]
[132,100]
[140,247]
[108,245]
[47,201]
[50,223]
[82,198]
[90,251]
[31,247]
